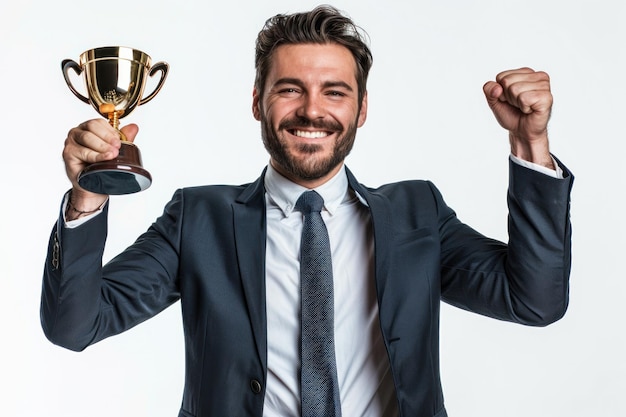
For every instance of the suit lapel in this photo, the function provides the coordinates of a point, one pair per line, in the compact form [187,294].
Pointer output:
[250,237]
[380,210]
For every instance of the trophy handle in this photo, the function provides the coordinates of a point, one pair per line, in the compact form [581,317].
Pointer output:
[66,65]
[163,68]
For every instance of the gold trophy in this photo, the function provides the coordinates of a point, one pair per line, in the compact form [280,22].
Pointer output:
[115,78]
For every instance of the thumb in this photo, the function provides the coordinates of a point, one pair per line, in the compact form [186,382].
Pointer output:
[496,100]
[130,131]
[493,92]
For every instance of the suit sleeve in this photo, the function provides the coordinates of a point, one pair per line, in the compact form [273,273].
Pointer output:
[84,302]
[526,281]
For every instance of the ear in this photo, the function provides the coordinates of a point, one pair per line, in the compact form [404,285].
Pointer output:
[256,108]
[363,111]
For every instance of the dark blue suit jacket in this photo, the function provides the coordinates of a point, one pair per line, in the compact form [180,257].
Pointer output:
[208,251]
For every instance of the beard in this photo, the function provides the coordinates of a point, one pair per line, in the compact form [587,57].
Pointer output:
[310,166]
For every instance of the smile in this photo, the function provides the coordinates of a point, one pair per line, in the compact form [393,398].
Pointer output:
[310,135]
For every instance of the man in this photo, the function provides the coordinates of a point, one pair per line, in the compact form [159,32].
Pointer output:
[231,254]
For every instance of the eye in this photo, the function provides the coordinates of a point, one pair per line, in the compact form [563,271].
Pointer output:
[288,91]
[335,93]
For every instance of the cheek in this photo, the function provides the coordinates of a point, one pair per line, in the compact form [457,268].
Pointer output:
[349,117]
[274,114]
[347,110]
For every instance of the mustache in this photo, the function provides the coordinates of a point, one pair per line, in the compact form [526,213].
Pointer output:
[303,122]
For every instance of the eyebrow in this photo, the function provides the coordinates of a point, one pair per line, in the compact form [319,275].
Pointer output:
[326,84]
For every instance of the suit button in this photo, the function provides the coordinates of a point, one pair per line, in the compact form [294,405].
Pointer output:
[256,386]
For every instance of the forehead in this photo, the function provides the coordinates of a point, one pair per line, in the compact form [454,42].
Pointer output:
[313,61]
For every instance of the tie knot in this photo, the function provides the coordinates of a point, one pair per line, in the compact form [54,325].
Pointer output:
[309,201]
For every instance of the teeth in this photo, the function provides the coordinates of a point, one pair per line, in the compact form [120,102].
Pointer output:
[310,135]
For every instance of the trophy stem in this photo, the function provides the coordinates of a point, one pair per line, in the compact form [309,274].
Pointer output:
[114,120]
[114,117]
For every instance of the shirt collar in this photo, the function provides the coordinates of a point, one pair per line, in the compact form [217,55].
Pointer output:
[284,193]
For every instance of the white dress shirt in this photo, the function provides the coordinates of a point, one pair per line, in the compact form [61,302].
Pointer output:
[365,381]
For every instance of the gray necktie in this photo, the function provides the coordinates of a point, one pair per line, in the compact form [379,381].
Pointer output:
[318,376]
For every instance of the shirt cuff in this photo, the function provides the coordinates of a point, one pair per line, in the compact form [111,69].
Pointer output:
[554,173]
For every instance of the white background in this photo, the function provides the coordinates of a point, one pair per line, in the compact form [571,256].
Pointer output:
[427,119]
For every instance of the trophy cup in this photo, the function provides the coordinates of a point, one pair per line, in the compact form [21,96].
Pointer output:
[115,78]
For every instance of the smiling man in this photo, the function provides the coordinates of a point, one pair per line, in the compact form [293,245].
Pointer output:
[306,293]
[309,110]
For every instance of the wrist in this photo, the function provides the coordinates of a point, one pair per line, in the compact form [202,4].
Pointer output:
[81,204]
[535,150]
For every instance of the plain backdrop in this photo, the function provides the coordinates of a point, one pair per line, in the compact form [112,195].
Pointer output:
[427,119]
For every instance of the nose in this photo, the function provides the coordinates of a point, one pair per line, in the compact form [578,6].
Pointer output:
[312,107]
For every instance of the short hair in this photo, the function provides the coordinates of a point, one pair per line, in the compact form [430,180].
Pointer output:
[322,25]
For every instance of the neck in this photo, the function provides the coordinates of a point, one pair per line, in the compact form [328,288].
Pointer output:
[309,183]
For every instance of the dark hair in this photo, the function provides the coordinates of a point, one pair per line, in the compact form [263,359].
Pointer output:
[324,24]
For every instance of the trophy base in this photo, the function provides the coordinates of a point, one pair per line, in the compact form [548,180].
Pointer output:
[123,175]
